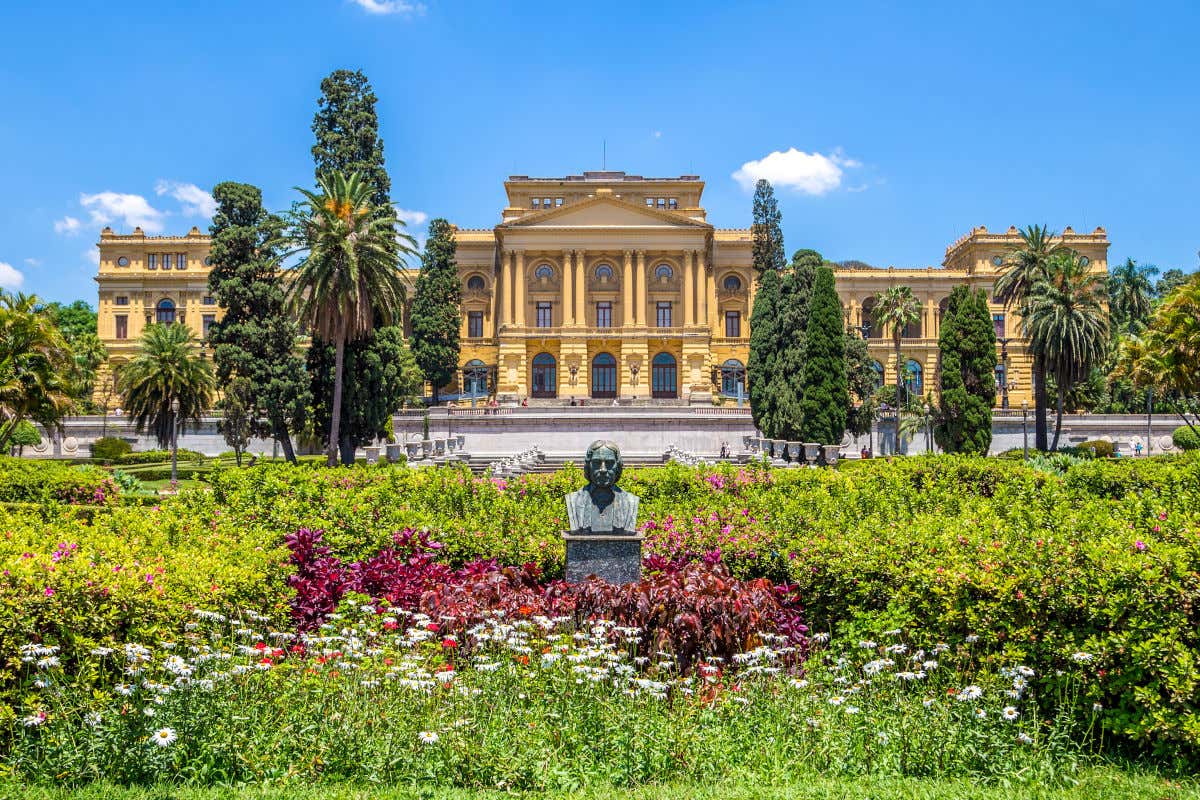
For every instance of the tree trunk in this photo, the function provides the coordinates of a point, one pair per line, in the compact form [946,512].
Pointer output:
[237,453]
[1040,403]
[335,424]
[1058,419]
[280,432]
[346,449]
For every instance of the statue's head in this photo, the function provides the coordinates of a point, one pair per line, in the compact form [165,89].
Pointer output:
[602,464]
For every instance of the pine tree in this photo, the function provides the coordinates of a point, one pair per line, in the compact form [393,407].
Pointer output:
[792,319]
[346,128]
[760,367]
[256,338]
[826,392]
[967,368]
[436,313]
[767,248]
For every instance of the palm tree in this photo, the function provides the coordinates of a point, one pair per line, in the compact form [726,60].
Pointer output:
[166,368]
[36,367]
[897,307]
[1026,266]
[89,353]
[350,276]
[1130,292]
[1067,323]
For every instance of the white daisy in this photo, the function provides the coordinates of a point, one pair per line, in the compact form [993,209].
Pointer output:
[164,737]
[1009,713]
[428,737]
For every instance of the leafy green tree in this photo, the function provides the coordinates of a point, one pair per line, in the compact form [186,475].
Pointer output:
[256,338]
[436,313]
[967,374]
[238,415]
[761,365]
[167,367]
[346,130]
[25,435]
[74,320]
[1171,280]
[787,387]
[386,376]
[826,391]
[897,307]
[1130,294]
[862,403]
[89,353]
[1068,325]
[349,277]
[37,367]
[1027,265]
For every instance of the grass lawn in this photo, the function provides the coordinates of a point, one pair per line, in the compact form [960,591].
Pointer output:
[1098,784]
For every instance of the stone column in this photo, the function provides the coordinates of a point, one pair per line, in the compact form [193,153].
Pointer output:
[707,292]
[519,290]
[505,289]
[689,289]
[568,293]
[639,303]
[627,290]
[580,286]
[930,331]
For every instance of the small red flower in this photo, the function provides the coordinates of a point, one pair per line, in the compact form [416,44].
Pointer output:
[432,627]
[449,643]
[260,646]
[390,625]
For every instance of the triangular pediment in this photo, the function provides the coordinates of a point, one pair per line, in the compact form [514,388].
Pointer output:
[604,212]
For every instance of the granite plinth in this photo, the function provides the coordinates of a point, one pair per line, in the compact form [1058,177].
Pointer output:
[612,556]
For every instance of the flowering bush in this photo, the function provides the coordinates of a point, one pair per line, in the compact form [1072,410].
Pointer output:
[28,481]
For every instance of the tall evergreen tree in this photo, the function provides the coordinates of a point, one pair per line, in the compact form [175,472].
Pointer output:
[967,370]
[767,248]
[346,128]
[256,338]
[826,391]
[760,367]
[792,320]
[862,380]
[436,312]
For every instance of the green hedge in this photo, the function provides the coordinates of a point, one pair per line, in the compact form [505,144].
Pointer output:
[109,448]
[31,481]
[1185,438]
[158,457]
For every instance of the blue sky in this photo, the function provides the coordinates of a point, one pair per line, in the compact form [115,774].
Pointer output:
[910,122]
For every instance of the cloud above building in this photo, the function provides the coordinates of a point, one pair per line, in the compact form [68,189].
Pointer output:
[127,210]
[384,7]
[68,226]
[194,201]
[807,173]
[10,276]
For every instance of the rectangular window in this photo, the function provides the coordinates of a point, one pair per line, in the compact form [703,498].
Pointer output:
[181,261]
[604,314]
[537,202]
[474,324]
[664,313]
[733,324]
[998,325]
[122,321]
[544,319]
[650,201]
[557,202]
[152,261]
[673,203]
[166,260]
[121,300]
[662,202]
[545,202]
[207,300]
[206,322]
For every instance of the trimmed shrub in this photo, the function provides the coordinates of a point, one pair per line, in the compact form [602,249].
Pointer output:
[110,448]
[1185,438]
[1101,448]
[26,481]
[158,457]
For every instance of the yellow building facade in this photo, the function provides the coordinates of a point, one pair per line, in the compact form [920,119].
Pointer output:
[603,287]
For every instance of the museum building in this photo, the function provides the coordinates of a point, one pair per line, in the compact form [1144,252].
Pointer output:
[600,287]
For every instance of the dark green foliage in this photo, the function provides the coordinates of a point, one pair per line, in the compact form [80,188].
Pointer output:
[862,381]
[435,311]
[384,376]
[760,366]
[73,320]
[1186,438]
[967,358]
[767,249]
[792,319]
[826,392]
[1100,448]
[238,415]
[1171,280]
[256,338]
[110,448]
[24,435]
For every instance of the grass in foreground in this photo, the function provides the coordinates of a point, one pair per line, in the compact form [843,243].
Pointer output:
[1098,784]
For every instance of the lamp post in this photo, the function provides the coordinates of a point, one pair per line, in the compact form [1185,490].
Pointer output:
[1149,418]
[1025,425]
[1004,363]
[174,440]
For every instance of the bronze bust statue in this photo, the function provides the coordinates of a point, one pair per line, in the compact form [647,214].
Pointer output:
[600,507]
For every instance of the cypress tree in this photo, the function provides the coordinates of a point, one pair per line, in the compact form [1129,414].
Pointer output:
[346,128]
[435,311]
[826,392]
[767,247]
[760,367]
[255,341]
[967,382]
[794,295]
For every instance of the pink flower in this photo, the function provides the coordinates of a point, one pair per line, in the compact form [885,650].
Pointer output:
[1139,545]
[49,592]
[1162,515]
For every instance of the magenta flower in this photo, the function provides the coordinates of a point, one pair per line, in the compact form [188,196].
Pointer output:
[49,592]
[1139,545]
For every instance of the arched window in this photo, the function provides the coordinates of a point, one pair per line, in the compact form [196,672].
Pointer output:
[912,330]
[914,382]
[475,378]
[663,381]
[544,272]
[733,376]
[732,283]
[943,307]
[475,282]
[604,272]
[663,272]
[545,376]
[878,368]
[604,375]
[871,327]
[164,312]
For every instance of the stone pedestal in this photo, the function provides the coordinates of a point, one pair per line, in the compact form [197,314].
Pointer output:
[612,557]
[812,451]
[372,454]
[395,452]
[831,452]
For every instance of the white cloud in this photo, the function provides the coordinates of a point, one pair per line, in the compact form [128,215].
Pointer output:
[33,262]
[10,276]
[195,201]
[808,173]
[411,218]
[68,225]
[390,6]
[131,210]
[92,256]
